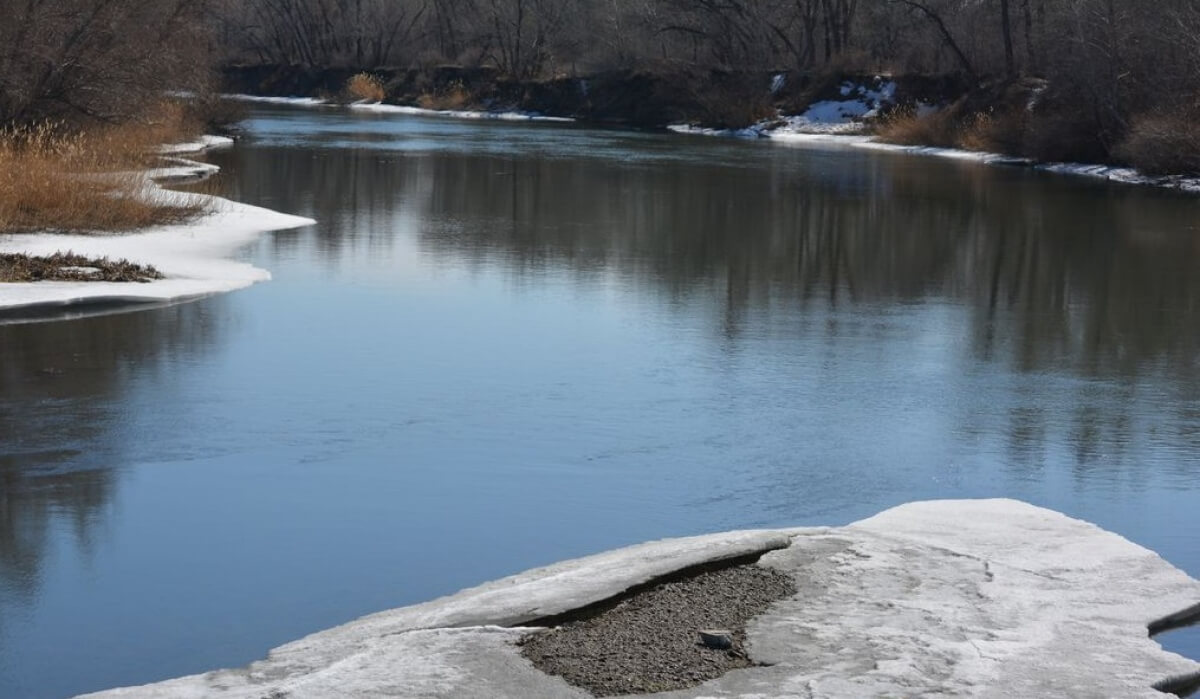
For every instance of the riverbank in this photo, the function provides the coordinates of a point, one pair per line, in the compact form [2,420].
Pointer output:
[794,109]
[951,597]
[830,138]
[190,257]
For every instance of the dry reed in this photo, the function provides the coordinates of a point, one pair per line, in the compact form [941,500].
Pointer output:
[365,87]
[452,97]
[56,179]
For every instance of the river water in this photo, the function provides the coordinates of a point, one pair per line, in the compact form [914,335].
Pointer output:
[508,344]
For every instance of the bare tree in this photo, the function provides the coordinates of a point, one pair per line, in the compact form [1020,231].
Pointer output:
[97,59]
[328,33]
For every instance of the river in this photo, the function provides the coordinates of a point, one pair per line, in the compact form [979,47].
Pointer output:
[506,344]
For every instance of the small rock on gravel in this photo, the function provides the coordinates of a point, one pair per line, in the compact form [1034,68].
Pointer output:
[651,641]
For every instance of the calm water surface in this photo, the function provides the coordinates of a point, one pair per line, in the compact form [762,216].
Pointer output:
[505,345]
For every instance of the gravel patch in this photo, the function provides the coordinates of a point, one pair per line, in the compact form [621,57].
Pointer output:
[650,642]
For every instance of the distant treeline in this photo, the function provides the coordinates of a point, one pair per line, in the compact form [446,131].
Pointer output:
[1112,65]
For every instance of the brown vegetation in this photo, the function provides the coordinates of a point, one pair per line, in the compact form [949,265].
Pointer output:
[452,96]
[1104,65]
[69,267]
[54,178]
[1164,143]
[365,87]
[907,128]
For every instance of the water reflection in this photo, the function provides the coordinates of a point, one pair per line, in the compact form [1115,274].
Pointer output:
[1055,276]
[1057,273]
[656,335]
[65,389]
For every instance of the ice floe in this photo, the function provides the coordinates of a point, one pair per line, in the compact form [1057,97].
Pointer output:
[956,598]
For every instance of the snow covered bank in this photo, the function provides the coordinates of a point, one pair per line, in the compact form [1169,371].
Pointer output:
[841,115]
[508,115]
[380,108]
[192,256]
[957,598]
[796,132]
[289,101]
[1111,173]
[201,144]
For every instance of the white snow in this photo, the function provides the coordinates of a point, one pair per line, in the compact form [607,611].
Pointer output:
[799,131]
[1122,174]
[193,256]
[379,108]
[290,101]
[835,116]
[756,131]
[178,169]
[989,598]
[861,102]
[199,145]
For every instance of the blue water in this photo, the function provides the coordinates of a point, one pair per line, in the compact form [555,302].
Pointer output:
[504,345]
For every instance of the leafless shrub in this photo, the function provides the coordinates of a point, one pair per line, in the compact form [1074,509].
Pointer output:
[97,60]
[1163,143]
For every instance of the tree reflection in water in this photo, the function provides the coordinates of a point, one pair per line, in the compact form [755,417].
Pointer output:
[63,387]
[781,251]
[1055,274]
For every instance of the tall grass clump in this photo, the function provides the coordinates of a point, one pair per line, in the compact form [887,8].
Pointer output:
[1163,143]
[907,128]
[450,97]
[365,87]
[945,128]
[53,178]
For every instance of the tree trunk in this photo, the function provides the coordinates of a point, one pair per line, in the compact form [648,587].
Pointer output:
[1010,64]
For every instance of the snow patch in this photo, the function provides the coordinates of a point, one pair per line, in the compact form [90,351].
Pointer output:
[844,116]
[860,102]
[198,146]
[192,256]
[798,131]
[954,598]
[290,101]
[379,108]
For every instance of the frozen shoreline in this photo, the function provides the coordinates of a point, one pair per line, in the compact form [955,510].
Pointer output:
[380,108]
[826,124]
[840,137]
[193,256]
[965,598]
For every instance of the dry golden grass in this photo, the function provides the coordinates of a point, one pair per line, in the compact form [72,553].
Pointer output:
[981,131]
[907,129]
[366,87]
[1163,143]
[55,179]
[454,96]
